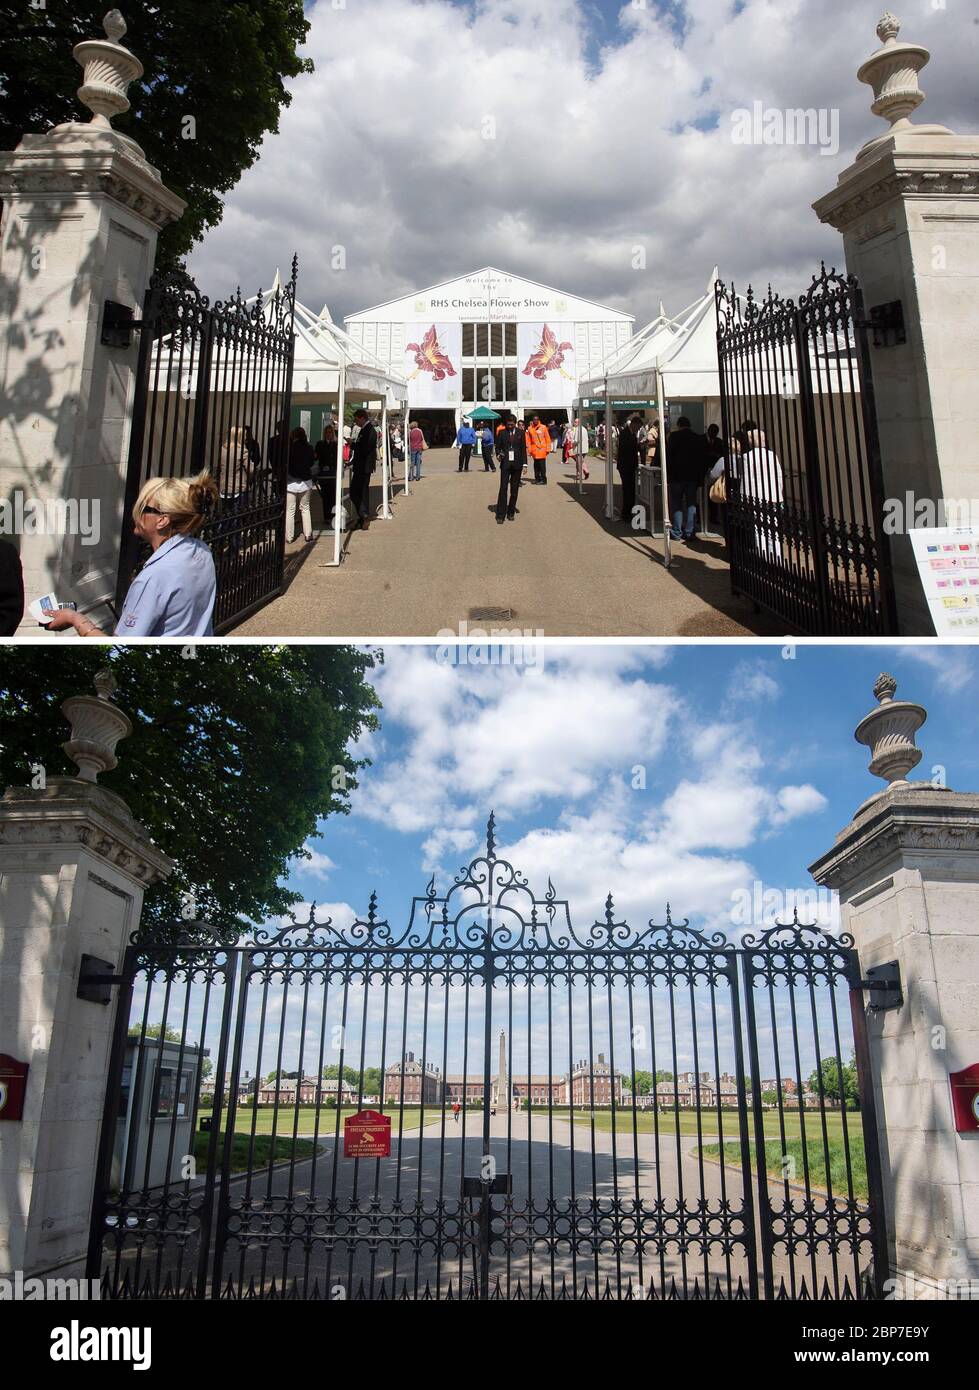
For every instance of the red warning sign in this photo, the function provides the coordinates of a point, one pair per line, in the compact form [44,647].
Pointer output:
[367,1135]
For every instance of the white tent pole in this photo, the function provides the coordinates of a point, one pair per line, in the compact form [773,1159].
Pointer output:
[664,479]
[578,415]
[385,463]
[338,515]
[407,451]
[609,496]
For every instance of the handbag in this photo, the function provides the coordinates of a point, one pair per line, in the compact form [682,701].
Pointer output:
[718,491]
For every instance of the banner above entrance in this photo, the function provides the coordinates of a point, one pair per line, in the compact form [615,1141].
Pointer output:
[546,375]
[432,365]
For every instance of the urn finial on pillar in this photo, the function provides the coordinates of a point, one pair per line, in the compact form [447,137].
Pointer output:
[889,732]
[893,73]
[97,725]
[109,68]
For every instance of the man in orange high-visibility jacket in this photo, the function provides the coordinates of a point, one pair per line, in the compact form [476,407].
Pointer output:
[538,447]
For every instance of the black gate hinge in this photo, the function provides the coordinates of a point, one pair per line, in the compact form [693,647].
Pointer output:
[884,984]
[118,324]
[95,980]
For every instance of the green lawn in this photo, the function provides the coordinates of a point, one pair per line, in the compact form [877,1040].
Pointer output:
[327,1120]
[817,1163]
[260,1152]
[729,1121]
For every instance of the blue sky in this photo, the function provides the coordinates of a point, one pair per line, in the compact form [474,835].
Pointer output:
[750,770]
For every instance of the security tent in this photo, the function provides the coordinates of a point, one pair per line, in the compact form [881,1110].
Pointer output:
[330,368]
[670,360]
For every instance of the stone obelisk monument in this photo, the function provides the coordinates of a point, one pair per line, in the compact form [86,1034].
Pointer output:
[502,1089]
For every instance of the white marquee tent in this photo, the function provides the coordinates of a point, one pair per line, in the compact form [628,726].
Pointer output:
[329,365]
[669,358]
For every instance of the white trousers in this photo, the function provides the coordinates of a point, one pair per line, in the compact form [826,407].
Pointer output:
[307,521]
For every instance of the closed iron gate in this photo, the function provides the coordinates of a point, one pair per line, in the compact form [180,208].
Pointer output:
[614,1113]
[804,513]
[213,392]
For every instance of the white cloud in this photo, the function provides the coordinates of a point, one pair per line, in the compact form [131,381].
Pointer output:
[752,681]
[595,151]
[793,802]
[316,865]
[486,738]
[953,667]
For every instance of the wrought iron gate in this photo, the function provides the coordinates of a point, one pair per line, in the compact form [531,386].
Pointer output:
[614,1113]
[213,392]
[804,513]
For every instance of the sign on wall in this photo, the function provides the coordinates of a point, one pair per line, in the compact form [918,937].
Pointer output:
[367,1135]
[546,374]
[13,1087]
[432,365]
[948,565]
[965,1099]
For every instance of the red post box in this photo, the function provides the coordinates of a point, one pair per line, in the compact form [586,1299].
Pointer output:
[13,1087]
[965,1098]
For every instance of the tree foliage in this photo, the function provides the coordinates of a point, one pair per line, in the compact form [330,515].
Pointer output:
[234,757]
[215,69]
[831,1082]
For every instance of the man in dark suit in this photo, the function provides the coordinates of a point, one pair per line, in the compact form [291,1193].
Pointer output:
[511,450]
[363,461]
[687,459]
[628,465]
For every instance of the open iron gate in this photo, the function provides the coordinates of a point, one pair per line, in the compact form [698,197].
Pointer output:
[805,494]
[213,392]
[753,1175]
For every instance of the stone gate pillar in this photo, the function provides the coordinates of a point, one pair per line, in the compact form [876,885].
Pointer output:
[907,872]
[82,210]
[908,209]
[74,865]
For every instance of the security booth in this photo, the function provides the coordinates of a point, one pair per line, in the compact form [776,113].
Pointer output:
[157,1111]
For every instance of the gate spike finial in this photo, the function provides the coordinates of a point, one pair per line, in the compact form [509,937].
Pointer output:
[491,836]
[609,910]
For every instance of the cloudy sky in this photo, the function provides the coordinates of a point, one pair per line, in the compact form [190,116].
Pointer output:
[706,777]
[680,774]
[610,129]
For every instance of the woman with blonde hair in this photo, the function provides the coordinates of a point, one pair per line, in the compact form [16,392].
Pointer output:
[173,594]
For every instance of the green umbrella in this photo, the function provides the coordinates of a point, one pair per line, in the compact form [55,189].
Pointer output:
[483,412]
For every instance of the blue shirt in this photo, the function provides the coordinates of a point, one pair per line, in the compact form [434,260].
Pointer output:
[173,594]
[487,437]
[467,435]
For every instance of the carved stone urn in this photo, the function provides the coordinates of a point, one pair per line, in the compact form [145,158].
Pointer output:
[893,73]
[109,68]
[889,732]
[97,725]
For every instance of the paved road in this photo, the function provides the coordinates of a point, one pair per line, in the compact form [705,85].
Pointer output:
[560,569]
[570,1220]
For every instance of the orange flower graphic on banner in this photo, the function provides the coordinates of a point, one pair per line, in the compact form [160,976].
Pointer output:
[548,356]
[429,357]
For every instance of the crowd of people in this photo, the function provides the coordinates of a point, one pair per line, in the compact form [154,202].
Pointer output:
[694,462]
[174,592]
[520,445]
